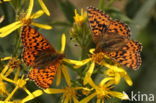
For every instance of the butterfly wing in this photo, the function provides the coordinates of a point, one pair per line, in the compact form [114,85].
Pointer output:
[29,56]
[113,38]
[110,42]
[34,45]
[98,21]
[39,54]
[119,28]
[32,39]
[43,77]
[128,55]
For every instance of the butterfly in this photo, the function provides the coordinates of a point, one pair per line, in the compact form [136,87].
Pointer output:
[112,37]
[39,54]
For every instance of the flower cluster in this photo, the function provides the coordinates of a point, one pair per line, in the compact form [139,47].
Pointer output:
[83,88]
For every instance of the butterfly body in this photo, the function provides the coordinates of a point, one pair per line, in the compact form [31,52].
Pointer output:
[110,42]
[112,37]
[39,54]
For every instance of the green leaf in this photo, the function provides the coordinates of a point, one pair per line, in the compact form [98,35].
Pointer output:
[143,16]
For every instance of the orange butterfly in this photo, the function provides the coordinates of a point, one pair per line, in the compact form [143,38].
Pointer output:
[113,38]
[39,54]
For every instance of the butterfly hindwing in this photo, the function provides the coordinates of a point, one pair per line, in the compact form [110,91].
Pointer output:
[128,55]
[43,77]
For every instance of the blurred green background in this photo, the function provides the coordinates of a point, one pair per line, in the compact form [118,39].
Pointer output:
[140,15]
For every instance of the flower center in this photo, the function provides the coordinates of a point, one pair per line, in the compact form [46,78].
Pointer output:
[26,21]
[69,92]
[98,57]
[102,92]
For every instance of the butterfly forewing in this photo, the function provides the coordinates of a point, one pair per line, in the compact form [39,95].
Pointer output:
[32,39]
[99,21]
[120,28]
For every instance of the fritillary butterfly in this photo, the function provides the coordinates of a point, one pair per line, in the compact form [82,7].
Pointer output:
[113,38]
[39,54]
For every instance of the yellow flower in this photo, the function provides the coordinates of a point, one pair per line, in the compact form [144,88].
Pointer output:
[10,67]
[69,92]
[103,91]
[20,83]
[116,73]
[25,20]
[44,8]
[80,18]
[1,1]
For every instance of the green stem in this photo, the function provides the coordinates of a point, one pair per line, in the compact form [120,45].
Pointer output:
[17,44]
[101,4]
[110,4]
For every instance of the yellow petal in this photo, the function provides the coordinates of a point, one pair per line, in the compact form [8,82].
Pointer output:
[63,43]
[128,80]
[29,10]
[66,75]
[11,94]
[54,91]
[9,31]
[92,50]
[6,58]
[37,14]
[77,63]
[88,98]
[7,79]
[7,101]
[89,73]
[35,94]
[27,91]
[4,1]
[44,26]
[76,13]
[66,99]
[5,69]
[117,78]
[44,7]
[105,80]
[98,100]
[91,83]
[75,100]
[6,30]
[58,76]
